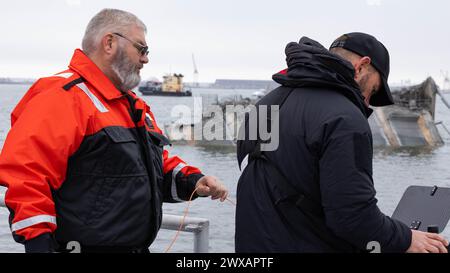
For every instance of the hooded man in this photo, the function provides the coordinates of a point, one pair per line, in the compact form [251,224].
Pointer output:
[315,192]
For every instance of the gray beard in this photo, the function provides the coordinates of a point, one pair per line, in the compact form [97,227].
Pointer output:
[126,71]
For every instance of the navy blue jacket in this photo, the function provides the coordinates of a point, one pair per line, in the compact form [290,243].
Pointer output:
[325,151]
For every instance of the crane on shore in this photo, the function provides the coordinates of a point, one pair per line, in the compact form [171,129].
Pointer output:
[195,83]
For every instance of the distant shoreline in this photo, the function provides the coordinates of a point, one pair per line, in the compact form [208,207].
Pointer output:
[16,81]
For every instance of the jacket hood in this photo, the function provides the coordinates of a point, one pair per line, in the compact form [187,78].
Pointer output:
[312,65]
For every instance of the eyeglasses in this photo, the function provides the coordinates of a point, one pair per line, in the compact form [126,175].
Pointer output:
[143,50]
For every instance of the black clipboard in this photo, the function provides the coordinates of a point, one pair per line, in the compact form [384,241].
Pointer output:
[423,207]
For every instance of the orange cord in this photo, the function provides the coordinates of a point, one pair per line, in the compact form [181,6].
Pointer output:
[184,218]
[232,203]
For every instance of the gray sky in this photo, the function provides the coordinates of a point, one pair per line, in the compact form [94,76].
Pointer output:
[242,39]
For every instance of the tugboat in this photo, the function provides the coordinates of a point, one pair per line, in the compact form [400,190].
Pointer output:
[172,85]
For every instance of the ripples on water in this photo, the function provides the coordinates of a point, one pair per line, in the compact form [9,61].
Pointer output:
[394,171]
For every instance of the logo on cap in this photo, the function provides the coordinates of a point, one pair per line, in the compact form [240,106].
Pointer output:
[339,42]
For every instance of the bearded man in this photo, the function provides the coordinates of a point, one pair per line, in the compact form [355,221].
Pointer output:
[315,192]
[85,160]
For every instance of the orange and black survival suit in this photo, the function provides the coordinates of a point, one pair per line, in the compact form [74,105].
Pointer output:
[85,162]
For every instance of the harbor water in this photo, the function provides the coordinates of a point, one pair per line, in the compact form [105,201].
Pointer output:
[394,171]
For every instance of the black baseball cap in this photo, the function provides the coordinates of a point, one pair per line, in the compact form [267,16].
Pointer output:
[366,45]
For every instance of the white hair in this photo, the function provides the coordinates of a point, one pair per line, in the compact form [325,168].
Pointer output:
[108,20]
